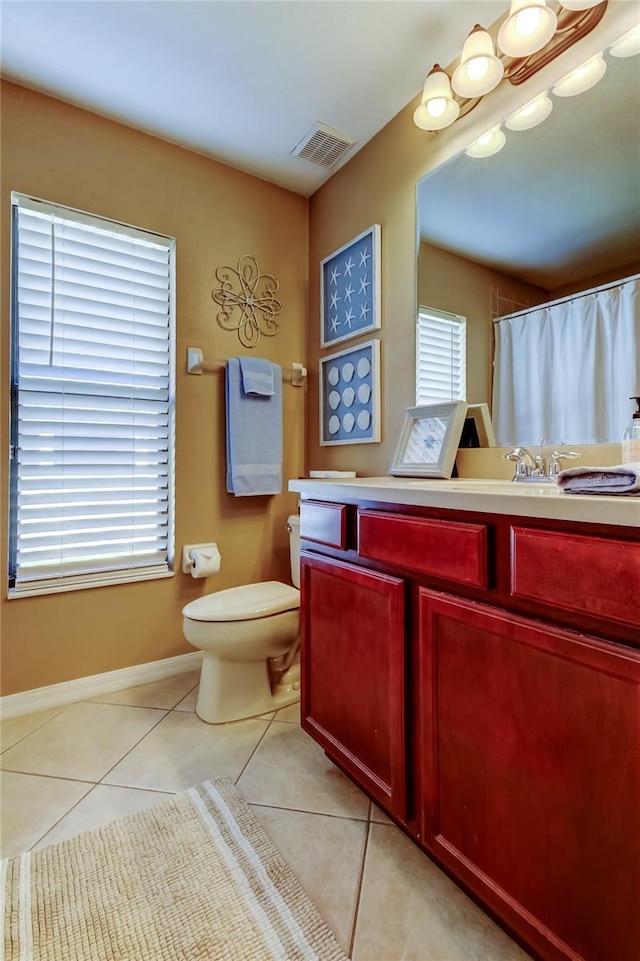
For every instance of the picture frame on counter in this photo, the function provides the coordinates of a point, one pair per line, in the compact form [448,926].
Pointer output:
[349,385]
[478,428]
[350,289]
[429,440]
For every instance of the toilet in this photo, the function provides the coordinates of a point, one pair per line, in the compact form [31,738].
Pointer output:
[249,638]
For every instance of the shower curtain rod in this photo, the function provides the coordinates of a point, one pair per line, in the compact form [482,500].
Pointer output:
[564,300]
[196,364]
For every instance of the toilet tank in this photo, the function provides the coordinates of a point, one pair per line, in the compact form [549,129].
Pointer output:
[293,526]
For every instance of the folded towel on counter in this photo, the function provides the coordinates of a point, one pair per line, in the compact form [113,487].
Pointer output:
[254,435]
[623,479]
[257,376]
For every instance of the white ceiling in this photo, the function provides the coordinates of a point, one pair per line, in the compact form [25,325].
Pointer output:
[238,80]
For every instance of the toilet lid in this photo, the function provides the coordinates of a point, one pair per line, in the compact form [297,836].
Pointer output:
[244,603]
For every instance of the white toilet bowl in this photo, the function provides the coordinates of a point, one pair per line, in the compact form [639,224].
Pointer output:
[249,639]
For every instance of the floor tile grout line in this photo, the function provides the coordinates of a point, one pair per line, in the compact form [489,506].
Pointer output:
[358,897]
[140,707]
[322,814]
[90,780]
[188,694]
[93,782]
[129,750]
[173,710]
[251,756]
[92,786]
[74,704]
[62,816]
[99,700]
[39,727]
[52,777]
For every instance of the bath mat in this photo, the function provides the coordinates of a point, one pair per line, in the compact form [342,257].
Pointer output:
[194,878]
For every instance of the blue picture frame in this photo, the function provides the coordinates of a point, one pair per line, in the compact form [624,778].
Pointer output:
[350,395]
[350,289]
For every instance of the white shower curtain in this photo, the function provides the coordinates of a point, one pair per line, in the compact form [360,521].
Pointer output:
[565,371]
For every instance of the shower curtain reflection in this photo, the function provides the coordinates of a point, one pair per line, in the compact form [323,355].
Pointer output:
[564,371]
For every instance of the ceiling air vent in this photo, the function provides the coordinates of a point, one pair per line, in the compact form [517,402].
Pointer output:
[323,145]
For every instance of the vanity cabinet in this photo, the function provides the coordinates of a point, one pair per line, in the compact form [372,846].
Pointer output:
[478,676]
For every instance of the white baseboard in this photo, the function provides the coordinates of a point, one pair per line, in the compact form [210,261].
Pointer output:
[82,688]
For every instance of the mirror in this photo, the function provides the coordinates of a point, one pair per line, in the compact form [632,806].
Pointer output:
[556,211]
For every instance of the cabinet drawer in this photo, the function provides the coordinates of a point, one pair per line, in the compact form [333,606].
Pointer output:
[324,523]
[447,549]
[599,576]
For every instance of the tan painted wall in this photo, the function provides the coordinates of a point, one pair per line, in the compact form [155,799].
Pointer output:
[452,283]
[628,270]
[65,155]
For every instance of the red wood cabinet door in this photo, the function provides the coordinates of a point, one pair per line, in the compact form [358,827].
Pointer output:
[531,774]
[352,660]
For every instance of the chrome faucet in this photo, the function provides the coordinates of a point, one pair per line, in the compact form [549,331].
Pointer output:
[532,469]
[525,464]
[555,466]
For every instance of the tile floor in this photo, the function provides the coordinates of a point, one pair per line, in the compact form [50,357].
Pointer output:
[69,769]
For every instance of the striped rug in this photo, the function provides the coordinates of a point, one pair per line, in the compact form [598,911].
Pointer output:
[194,878]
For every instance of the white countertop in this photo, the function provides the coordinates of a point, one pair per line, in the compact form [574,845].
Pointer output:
[485,496]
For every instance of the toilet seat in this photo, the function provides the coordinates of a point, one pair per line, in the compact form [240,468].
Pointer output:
[244,603]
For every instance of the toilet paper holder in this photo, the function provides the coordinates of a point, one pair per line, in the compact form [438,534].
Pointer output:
[188,551]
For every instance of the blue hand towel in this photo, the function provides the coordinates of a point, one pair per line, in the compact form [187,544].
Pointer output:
[257,376]
[254,435]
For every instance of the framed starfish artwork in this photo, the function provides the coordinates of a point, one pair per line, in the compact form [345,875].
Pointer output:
[350,289]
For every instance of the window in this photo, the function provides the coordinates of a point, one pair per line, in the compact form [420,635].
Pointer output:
[441,365]
[92,387]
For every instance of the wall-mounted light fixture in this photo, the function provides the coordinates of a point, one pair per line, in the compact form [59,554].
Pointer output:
[531,36]
[531,114]
[577,81]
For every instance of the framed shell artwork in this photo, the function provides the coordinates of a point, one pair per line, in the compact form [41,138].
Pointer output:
[350,395]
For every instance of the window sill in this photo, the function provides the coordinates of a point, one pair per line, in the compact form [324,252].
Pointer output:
[90,581]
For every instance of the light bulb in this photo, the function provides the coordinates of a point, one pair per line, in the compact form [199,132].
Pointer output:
[529,26]
[582,78]
[489,143]
[479,70]
[528,21]
[628,45]
[438,108]
[531,114]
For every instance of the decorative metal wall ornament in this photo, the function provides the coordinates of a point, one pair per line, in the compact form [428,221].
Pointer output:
[254,300]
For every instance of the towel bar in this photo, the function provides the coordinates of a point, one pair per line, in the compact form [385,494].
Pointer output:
[196,364]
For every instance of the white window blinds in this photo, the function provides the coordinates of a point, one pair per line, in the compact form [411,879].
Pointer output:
[92,400]
[441,362]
